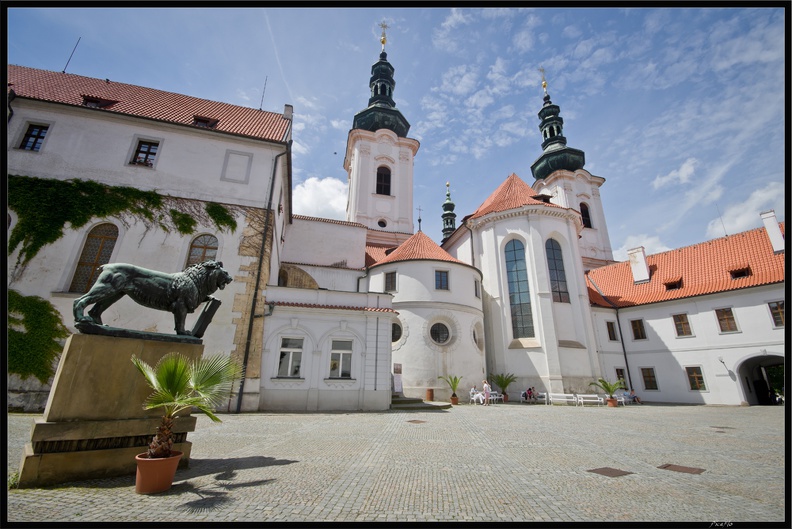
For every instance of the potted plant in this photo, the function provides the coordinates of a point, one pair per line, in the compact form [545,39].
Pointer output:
[609,388]
[453,383]
[179,385]
[503,381]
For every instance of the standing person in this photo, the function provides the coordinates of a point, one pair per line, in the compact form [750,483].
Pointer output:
[486,392]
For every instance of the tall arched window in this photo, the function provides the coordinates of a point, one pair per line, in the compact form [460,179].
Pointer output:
[203,248]
[584,212]
[555,264]
[97,251]
[519,293]
[383,181]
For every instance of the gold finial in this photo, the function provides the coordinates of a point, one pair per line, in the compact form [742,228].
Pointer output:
[383,39]
[544,82]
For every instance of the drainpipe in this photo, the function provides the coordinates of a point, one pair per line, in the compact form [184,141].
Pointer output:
[258,275]
[11,97]
[618,324]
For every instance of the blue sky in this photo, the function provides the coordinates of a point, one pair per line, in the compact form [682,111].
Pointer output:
[680,110]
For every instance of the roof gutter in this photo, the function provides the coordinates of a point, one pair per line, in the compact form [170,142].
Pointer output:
[618,324]
[258,272]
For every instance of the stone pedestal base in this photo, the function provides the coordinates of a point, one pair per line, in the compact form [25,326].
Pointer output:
[94,423]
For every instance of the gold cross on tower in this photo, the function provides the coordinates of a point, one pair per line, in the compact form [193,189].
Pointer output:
[383,39]
[544,82]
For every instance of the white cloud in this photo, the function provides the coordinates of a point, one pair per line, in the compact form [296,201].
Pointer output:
[651,244]
[443,37]
[681,175]
[571,32]
[459,80]
[340,124]
[325,198]
[744,215]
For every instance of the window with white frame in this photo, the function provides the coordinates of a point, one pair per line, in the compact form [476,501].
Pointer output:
[639,333]
[519,293]
[777,313]
[34,137]
[441,279]
[290,357]
[695,378]
[682,325]
[726,320]
[649,378]
[341,359]
[145,153]
[612,335]
[390,282]
[203,248]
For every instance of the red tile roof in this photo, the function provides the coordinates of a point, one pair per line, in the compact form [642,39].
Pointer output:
[512,193]
[419,246]
[376,253]
[702,268]
[71,89]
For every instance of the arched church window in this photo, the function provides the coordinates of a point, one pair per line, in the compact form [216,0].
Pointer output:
[383,181]
[97,251]
[555,264]
[283,278]
[584,212]
[519,293]
[203,248]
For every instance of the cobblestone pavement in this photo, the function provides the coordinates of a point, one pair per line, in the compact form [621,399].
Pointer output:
[508,462]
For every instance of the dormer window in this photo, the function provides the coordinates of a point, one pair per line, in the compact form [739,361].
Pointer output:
[673,284]
[738,273]
[207,123]
[97,102]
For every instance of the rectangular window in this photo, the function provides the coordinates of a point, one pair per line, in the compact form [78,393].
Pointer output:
[34,137]
[620,375]
[290,357]
[695,378]
[726,320]
[145,154]
[477,288]
[390,282]
[682,325]
[638,329]
[777,312]
[612,336]
[649,379]
[441,280]
[341,359]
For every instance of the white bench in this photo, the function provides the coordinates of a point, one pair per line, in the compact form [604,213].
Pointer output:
[562,397]
[592,398]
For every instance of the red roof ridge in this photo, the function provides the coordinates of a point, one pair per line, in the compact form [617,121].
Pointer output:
[418,247]
[513,193]
[334,307]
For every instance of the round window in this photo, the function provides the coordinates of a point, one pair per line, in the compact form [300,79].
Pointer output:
[439,333]
[396,332]
[382,223]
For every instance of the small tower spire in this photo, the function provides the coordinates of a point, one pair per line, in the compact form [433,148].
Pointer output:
[419,218]
[544,81]
[449,222]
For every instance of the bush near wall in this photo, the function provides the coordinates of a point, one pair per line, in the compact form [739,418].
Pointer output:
[35,331]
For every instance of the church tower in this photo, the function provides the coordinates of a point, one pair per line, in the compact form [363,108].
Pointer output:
[559,173]
[379,162]
[449,217]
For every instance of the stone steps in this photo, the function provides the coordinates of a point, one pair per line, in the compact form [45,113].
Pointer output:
[400,403]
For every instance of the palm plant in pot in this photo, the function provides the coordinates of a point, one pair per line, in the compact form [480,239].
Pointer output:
[503,381]
[609,388]
[453,383]
[179,385]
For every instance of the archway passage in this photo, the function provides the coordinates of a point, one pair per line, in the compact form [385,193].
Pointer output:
[762,379]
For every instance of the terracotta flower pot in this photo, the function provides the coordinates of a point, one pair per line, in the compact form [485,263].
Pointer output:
[454,400]
[505,397]
[611,402]
[156,475]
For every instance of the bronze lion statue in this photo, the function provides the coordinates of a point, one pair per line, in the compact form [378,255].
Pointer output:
[180,293]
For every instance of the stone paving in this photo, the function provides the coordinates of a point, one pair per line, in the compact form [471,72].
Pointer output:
[507,462]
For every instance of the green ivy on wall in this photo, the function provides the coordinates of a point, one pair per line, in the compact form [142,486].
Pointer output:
[34,328]
[45,206]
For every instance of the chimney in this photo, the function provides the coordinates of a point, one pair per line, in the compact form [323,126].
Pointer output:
[640,270]
[773,230]
[288,110]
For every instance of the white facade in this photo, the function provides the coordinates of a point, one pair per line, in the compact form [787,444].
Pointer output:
[729,361]
[420,306]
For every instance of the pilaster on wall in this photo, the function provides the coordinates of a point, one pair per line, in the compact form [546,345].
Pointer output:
[250,246]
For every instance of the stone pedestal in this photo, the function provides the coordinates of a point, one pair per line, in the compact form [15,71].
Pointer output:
[94,423]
